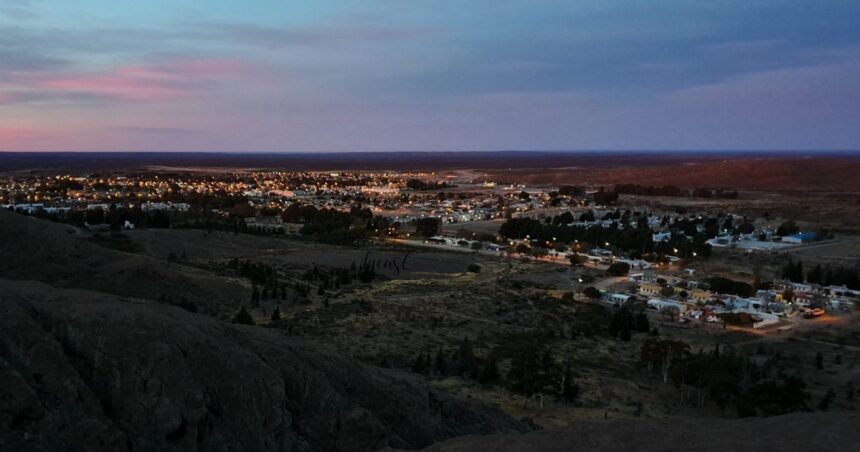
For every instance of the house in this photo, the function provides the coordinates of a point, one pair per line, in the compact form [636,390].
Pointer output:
[699,295]
[650,288]
[661,236]
[617,298]
[657,304]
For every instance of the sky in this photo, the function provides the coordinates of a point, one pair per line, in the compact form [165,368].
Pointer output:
[424,75]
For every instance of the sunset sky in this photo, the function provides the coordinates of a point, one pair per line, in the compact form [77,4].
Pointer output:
[323,75]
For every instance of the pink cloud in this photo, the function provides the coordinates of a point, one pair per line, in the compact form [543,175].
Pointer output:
[7,98]
[154,82]
[10,136]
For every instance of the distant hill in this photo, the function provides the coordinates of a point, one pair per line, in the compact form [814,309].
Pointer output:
[53,253]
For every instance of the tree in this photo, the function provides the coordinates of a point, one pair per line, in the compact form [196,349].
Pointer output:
[574,259]
[815,275]
[618,269]
[787,228]
[824,405]
[427,227]
[662,355]
[571,190]
[441,365]
[819,361]
[773,398]
[592,293]
[95,216]
[622,320]
[793,271]
[569,388]
[276,314]
[642,324]
[490,374]
[533,372]
[731,287]
[243,317]
[667,291]
[421,363]
[466,358]
[255,297]
[624,334]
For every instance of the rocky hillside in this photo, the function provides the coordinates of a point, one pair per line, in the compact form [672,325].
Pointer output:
[790,433]
[81,370]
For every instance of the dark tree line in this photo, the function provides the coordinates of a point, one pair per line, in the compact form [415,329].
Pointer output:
[115,217]
[834,276]
[727,286]
[334,226]
[674,191]
[629,232]
[420,185]
[533,370]
[726,379]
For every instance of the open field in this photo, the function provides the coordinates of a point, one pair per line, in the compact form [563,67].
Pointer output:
[811,173]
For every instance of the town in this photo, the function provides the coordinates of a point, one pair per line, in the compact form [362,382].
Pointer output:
[622,257]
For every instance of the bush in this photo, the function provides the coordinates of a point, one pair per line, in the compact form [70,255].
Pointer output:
[591,292]
[618,269]
[243,317]
[473,268]
[737,318]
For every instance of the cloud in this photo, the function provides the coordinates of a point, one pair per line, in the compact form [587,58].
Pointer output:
[13,134]
[734,48]
[817,91]
[160,131]
[275,37]
[21,59]
[18,9]
[164,81]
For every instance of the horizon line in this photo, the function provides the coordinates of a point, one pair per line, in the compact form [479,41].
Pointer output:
[547,151]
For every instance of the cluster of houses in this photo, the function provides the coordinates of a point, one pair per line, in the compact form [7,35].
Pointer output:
[34,208]
[689,299]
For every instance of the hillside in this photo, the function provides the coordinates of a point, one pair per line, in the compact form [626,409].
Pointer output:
[790,433]
[80,370]
[91,360]
[59,255]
